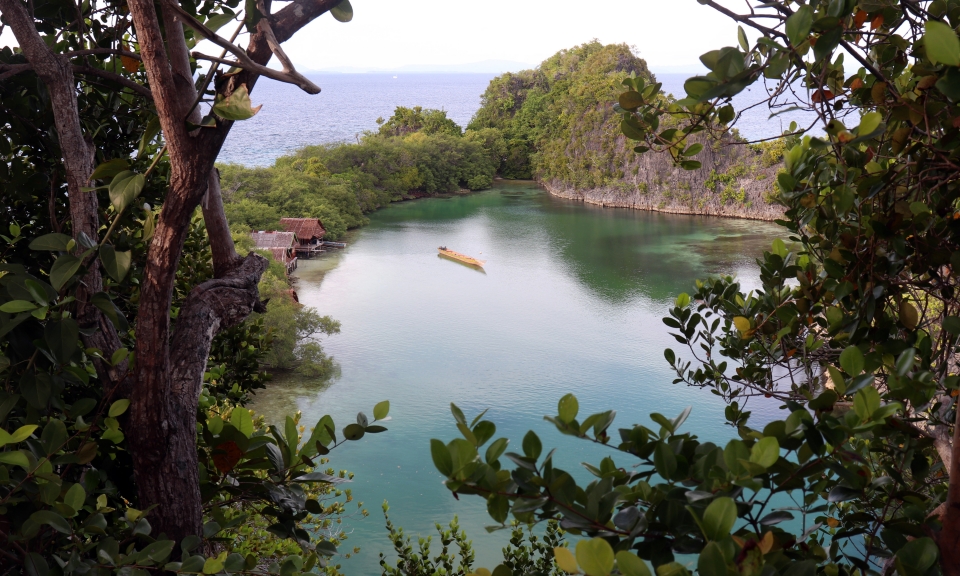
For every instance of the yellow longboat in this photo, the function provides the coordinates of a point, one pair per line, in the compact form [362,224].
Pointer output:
[460,257]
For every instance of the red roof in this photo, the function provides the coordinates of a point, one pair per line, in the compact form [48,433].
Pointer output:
[306,229]
[274,239]
[282,255]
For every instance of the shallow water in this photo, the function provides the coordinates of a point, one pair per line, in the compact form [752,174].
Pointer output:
[570,300]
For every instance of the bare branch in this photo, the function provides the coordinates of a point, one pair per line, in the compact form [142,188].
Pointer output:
[272,41]
[125,82]
[225,257]
[743,19]
[245,62]
[298,14]
[8,70]
[103,51]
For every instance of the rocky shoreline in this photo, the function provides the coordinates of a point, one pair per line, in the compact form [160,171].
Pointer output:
[656,201]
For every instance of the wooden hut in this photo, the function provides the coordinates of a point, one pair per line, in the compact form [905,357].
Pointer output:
[309,231]
[282,245]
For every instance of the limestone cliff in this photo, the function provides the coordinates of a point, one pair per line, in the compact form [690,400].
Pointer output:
[557,124]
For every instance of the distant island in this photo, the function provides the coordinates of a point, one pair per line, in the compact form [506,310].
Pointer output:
[554,123]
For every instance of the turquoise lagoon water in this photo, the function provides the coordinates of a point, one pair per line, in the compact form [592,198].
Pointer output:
[571,300]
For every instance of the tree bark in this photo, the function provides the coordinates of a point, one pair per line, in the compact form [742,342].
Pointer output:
[167,468]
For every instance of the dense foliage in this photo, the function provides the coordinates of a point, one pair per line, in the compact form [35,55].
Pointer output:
[853,329]
[74,259]
[417,152]
[556,121]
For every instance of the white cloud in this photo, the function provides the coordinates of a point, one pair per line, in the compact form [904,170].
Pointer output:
[393,33]
[668,34]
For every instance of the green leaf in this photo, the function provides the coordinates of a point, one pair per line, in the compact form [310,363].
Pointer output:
[75,496]
[15,458]
[236,106]
[217,21]
[458,414]
[52,519]
[942,44]
[630,100]
[22,433]
[117,264]
[159,551]
[664,460]
[595,557]
[742,39]
[693,149]
[631,131]
[567,408]
[110,168]
[851,360]
[292,437]
[15,306]
[103,302]
[869,123]
[63,270]
[779,248]
[494,451]
[36,389]
[631,565]
[119,407]
[342,12]
[949,85]
[441,456]
[742,324]
[212,566]
[683,300]
[483,431]
[719,518]
[62,338]
[565,560]
[51,243]
[952,325]
[54,435]
[36,565]
[726,114]
[798,25]
[866,402]
[531,445]
[353,432]
[711,561]
[241,420]
[124,188]
[918,555]
[765,452]
[381,410]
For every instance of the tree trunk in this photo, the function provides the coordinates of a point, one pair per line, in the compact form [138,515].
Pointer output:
[950,535]
[161,423]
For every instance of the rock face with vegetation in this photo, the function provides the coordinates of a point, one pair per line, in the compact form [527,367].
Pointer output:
[557,124]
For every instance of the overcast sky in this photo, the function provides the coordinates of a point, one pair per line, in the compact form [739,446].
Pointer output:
[395,33]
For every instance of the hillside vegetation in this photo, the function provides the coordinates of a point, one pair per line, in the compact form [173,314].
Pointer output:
[415,153]
[557,124]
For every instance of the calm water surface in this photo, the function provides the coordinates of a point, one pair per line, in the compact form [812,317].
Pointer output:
[570,301]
